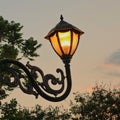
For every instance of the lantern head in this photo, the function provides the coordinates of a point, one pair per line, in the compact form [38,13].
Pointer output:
[64,39]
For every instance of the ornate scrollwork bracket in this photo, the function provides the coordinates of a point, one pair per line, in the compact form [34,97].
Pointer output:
[14,74]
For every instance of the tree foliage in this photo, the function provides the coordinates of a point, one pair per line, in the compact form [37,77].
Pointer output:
[12,43]
[14,46]
[100,104]
[13,111]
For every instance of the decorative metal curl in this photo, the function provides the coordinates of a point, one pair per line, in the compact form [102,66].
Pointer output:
[16,72]
[12,73]
[46,78]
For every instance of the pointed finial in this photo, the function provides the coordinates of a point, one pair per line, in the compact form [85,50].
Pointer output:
[61,17]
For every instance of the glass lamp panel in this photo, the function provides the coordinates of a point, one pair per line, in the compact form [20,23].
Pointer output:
[74,43]
[65,41]
[55,44]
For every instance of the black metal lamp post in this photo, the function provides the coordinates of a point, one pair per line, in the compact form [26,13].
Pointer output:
[64,39]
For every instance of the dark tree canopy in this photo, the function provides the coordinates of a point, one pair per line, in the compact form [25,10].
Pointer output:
[14,46]
[100,104]
[13,111]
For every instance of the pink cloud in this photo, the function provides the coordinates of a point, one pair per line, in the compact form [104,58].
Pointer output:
[108,66]
[109,69]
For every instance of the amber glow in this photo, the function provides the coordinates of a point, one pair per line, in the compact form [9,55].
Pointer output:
[74,43]
[65,41]
[63,44]
[54,42]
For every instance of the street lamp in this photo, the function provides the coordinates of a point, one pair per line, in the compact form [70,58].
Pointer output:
[64,39]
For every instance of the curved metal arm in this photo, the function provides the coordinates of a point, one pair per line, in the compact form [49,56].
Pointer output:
[14,73]
[46,87]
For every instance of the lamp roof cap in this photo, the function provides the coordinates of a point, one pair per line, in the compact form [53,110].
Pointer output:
[62,26]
